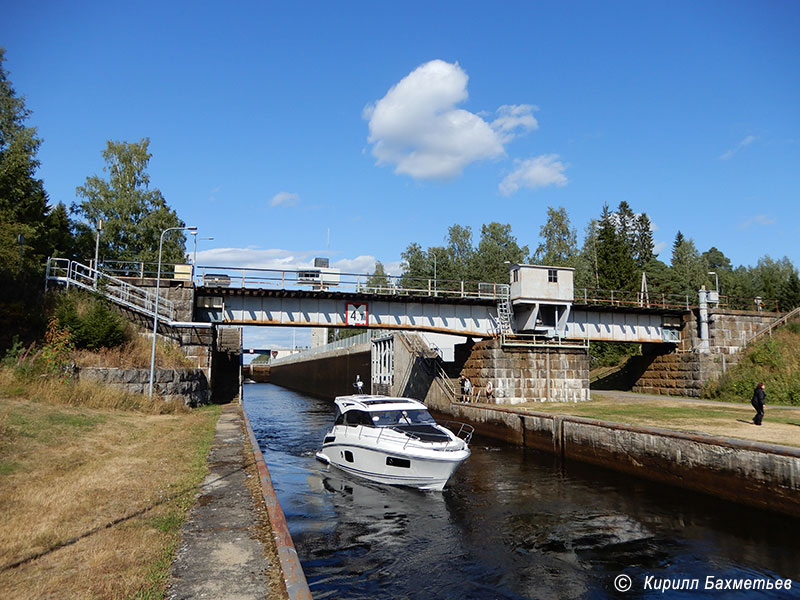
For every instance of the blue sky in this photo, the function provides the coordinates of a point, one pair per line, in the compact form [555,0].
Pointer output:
[271,123]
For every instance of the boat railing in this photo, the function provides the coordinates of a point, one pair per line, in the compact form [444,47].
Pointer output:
[463,431]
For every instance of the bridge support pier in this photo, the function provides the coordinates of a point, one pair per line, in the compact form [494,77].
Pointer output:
[530,374]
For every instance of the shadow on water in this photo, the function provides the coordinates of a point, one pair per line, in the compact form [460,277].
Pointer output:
[512,523]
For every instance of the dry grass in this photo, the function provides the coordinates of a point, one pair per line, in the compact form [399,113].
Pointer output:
[93,498]
[59,391]
[134,354]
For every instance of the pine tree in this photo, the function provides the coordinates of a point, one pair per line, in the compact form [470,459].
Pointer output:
[615,264]
[688,270]
[643,245]
[23,202]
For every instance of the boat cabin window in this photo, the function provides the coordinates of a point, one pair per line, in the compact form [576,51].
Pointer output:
[357,417]
[386,418]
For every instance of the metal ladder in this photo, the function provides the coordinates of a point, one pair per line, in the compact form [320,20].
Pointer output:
[505,317]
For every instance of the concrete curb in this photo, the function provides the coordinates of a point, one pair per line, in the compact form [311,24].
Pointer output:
[293,575]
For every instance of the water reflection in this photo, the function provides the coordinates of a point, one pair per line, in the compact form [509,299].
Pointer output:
[510,524]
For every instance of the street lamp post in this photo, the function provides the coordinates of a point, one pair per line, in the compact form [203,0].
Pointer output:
[97,249]
[194,256]
[716,280]
[434,274]
[155,310]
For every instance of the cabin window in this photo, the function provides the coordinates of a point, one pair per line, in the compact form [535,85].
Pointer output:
[552,276]
[357,417]
[398,462]
[515,276]
[339,420]
[348,456]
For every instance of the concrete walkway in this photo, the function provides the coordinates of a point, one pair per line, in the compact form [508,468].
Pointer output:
[220,556]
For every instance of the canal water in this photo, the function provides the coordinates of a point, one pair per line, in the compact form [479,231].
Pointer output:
[511,524]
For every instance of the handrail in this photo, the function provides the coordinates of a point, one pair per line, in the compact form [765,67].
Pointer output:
[70,272]
[322,280]
[777,323]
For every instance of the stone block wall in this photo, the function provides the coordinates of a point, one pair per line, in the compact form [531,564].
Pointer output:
[678,373]
[728,332]
[684,373]
[528,374]
[189,386]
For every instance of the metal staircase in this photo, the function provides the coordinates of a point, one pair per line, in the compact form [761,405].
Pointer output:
[777,323]
[72,273]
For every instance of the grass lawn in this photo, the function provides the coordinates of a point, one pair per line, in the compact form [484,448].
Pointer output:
[93,498]
[781,425]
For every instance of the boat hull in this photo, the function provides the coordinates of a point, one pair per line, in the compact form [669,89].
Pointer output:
[394,468]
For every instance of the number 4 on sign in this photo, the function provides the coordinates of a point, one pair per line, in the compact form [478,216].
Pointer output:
[357,314]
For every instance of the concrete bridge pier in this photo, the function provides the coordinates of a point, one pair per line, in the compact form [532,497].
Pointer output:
[516,374]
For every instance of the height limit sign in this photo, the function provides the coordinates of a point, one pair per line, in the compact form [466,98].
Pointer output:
[357,314]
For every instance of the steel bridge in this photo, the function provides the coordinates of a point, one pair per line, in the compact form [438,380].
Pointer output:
[315,298]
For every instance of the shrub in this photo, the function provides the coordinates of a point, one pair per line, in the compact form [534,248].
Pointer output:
[90,320]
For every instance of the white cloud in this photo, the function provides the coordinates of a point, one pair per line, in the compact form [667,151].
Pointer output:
[515,117]
[288,260]
[418,128]
[741,145]
[532,173]
[256,258]
[284,199]
[758,220]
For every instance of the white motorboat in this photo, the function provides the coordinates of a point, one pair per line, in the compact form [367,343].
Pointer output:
[394,441]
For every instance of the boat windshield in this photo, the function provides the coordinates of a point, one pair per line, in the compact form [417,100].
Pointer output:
[386,418]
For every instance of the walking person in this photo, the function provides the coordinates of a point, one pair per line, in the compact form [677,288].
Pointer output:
[467,389]
[758,403]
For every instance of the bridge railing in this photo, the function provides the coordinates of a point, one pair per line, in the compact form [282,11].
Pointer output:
[388,285]
[587,296]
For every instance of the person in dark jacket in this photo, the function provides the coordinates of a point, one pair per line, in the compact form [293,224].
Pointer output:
[758,403]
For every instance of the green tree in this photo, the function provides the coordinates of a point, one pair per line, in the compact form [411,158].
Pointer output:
[496,247]
[771,279]
[23,202]
[789,293]
[133,214]
[559,240]
[378,282]
[587,273]
[460,250]
[688,270]
[643,245]
[717,261]
[616,268]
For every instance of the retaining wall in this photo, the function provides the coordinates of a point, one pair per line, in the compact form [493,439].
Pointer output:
[189,386]
[325,375]
[677,373]
[762,475]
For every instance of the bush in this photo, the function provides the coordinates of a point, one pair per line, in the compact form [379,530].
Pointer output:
[90,320]
[610,354]
[775,361]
